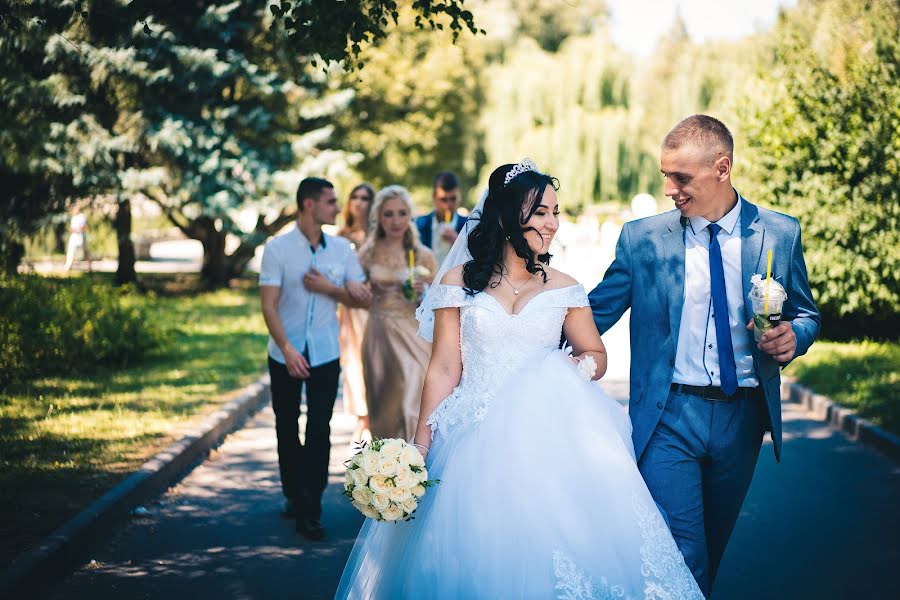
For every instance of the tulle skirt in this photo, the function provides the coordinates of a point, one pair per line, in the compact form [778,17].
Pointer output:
[541,499]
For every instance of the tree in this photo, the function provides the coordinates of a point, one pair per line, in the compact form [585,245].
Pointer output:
[824,135]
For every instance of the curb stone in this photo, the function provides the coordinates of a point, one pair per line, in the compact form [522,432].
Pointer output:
[67,547]
[843,419]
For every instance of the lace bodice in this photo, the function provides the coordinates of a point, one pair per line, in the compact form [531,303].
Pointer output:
[494,343]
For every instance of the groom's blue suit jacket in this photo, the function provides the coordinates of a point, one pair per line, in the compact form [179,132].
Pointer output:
[647,276]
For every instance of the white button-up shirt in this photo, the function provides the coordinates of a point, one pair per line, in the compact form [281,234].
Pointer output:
[309,319]
[439,245]
[697,355]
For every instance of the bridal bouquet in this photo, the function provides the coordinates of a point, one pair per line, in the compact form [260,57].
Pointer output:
[386,479]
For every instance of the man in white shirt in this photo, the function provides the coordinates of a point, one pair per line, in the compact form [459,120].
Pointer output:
[304,274]
[78,241]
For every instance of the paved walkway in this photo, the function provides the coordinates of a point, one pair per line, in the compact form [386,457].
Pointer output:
[823,524]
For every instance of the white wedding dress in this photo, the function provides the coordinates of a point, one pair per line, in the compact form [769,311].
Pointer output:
[540,496]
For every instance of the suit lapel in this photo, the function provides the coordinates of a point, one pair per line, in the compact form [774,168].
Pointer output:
[673,247]
[752,236]
[426,231]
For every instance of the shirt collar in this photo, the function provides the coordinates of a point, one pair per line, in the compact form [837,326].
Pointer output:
[434,218]
[727,222]
[322,243]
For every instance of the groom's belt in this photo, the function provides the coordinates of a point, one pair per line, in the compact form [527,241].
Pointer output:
[713,392]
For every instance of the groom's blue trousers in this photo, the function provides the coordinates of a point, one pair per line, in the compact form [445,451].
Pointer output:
[698,466]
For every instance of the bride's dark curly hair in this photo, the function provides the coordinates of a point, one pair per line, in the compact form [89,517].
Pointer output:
[506,210]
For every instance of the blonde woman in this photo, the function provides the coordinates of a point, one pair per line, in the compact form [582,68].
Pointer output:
[394,356]
[354,227]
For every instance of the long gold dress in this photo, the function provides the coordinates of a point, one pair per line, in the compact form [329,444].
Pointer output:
[394,356]
[352,329]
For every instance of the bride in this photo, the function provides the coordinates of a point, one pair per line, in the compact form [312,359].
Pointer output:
[540,495]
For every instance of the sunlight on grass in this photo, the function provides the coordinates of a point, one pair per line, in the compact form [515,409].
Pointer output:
[863,375]
[66,440]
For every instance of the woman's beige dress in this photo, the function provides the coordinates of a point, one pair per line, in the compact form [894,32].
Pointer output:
[394,356]
[352,329]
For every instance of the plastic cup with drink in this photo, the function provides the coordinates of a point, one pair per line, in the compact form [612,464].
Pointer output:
[766,304]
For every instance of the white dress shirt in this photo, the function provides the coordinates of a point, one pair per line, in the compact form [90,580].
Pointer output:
[309,319]
[439,245]
[697,355]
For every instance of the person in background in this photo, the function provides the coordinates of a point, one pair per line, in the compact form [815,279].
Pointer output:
[354,227]
[77,240]
[440,228]
[304,274]
[394,356]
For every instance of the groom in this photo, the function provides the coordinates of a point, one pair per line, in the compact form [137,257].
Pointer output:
[703,392]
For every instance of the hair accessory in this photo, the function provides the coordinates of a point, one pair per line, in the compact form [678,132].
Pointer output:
[526,164]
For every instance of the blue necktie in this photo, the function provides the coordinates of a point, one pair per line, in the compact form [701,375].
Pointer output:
[727,370]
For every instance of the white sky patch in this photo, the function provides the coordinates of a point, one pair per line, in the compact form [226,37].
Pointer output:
[636,25]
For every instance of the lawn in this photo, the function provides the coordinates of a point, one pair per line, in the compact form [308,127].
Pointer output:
[66,440]
[864,376]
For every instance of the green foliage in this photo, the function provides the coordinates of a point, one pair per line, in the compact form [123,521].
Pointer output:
[336,31]
[824,137]
[414,110]
[70,327]
[862,375]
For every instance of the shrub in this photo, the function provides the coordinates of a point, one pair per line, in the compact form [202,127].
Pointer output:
[56,326]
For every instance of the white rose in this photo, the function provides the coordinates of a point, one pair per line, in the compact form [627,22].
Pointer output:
[359,477]
[411,456]
[348,480]
[354,460]
[400,495]
[369,462]
[380,502]
[387,466]
[423,475]
[366,510]
[391,448]
[418,491]
[410,505]
[394,513]
[362,494]
[405,478]
[381,484]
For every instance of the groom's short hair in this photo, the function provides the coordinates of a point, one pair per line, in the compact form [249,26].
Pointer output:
[702,131]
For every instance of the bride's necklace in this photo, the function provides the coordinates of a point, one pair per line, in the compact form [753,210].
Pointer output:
[514,288]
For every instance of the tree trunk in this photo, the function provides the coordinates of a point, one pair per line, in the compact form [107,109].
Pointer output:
[215,273]
[11,253]
[125,272]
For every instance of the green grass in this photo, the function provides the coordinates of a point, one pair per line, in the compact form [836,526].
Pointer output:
[66,440]
[864,376]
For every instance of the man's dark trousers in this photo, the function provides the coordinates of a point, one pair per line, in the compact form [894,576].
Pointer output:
[304,467]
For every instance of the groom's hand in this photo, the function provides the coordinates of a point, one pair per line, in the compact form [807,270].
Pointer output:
[296,365]
[779,342]
[317,283]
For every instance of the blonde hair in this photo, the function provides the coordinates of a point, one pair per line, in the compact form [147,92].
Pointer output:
[376,231]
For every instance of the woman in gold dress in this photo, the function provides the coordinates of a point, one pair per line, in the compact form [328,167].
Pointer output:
[354,227]
[394,356]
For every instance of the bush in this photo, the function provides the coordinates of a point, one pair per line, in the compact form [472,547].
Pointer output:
[56,326]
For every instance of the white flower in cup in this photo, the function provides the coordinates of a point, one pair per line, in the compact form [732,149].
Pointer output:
[393,513]
[381,484]
[362,494]
[381,501]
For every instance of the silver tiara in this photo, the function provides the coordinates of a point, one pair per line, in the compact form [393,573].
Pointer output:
[526,164]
